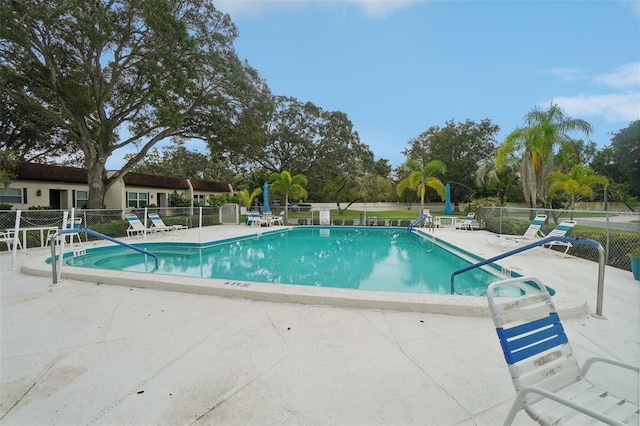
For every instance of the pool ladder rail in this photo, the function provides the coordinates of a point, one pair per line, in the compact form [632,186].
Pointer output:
[56,267]
[419,220]
[543,241]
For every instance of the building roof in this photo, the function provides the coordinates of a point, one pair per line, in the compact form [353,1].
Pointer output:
[155,181]
[62,174]
[50,173]
[203,185]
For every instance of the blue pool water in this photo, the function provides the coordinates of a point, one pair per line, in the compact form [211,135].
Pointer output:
[356,258]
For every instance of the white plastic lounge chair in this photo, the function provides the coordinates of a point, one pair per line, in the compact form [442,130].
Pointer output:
[467,223]
[158,224]
[254,219]
[551,387]
[561,231]
[9,237]
[532,232]
[279,220]
[136,227]
[267,219]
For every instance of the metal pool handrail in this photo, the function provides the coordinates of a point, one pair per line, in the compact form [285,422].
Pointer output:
[96,234]
[417,221]
[544,241]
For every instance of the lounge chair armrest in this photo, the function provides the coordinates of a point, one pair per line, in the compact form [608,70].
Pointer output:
[588,363]
[517,406]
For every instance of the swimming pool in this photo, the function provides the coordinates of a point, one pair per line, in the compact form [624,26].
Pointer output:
[364,258]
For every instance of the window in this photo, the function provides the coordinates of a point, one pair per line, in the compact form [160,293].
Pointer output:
[82,198]
[11,196]
[137,199]
[198,200]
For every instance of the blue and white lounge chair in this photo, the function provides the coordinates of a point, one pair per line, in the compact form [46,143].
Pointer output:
[561,231]
[551,387]
[279,220]
[254,219]
[136,227]
[467,223]
[533,232]
[158,224]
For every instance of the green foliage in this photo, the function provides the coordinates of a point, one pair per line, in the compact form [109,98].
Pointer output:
[460,146]
[39,207]
[422,177]
[177,200]
[6,206]
[578,183]
[543,131]
[482,207]
[8,163]
[170,71]
[247,197]
[621,160]
[219,200]
[289,186]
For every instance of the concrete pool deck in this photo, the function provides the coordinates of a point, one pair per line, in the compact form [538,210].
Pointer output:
[84,353]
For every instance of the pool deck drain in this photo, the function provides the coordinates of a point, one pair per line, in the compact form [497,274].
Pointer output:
[81,353]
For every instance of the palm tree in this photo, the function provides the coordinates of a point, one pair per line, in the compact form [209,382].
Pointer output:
[578,183]
[247,198]
[544,131]
[488,176]
[421,178]
[284,183]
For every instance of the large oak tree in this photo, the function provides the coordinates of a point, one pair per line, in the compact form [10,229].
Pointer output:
[111,73]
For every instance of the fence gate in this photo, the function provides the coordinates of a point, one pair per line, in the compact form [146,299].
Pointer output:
[230,214]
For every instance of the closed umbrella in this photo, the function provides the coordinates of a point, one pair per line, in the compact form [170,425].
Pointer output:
[265,194]
[448,209]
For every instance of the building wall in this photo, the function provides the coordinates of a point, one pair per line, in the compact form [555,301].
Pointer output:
[55,195]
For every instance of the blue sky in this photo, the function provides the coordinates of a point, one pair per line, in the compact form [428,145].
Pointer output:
[397,68]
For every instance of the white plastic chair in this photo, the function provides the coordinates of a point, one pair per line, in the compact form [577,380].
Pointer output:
[254,219]
[467,223]
[532,232]
[561,231]
[9,237]
[136,227]
[159,225]
[551,386]
[279,219]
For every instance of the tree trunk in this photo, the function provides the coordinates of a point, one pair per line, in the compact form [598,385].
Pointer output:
[96,176]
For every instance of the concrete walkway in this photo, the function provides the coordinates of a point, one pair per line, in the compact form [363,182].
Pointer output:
[83,353]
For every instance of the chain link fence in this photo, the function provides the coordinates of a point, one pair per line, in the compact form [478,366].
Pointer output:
[617,231]
[39,225]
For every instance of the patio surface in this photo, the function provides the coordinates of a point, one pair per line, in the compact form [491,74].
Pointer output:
[87,353]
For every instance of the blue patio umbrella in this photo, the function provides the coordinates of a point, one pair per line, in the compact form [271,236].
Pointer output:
[448,209]
[265,194]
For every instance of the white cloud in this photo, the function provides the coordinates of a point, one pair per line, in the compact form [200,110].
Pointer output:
[625,76]
[615,107]
[568,73]
[381,8]
[374,8]
[620,104]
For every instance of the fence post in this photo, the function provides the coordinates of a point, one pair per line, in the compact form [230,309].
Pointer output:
[16,237]
[200,225]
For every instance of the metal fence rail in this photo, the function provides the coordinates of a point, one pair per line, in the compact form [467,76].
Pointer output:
[617,231]
[109,222]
